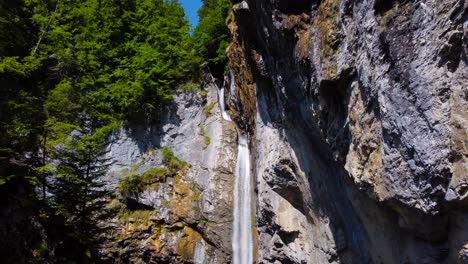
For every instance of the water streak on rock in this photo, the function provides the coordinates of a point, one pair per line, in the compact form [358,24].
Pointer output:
[242,241]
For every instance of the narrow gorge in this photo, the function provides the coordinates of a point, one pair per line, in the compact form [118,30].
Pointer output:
[336,132]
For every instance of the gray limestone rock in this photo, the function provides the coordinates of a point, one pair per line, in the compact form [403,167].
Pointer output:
[207,215]
[360,121]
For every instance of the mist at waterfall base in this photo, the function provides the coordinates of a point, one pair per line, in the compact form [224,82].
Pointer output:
[242,241]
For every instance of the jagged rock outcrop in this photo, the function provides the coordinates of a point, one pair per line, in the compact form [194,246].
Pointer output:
[184,217]
[357,116]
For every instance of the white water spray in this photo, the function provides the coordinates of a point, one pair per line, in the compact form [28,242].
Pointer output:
[222,105]
[242,240]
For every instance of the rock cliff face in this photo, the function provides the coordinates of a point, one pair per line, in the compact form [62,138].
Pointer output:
[356,117]
[184,217]
[357,114]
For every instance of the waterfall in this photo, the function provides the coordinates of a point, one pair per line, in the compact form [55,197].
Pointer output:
[222,105]
[242,240]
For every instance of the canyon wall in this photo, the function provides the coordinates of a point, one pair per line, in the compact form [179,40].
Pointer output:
[357,115]
[351,118]
[185,217]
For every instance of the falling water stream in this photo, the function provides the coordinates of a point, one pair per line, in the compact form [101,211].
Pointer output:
[242,241]
[224,114]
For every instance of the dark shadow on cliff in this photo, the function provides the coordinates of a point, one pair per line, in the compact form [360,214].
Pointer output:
[148,133]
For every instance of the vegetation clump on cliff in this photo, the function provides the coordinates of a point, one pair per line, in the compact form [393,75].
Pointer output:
[134,184]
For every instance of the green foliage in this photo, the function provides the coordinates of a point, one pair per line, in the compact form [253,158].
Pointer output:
[78,179]
[106,58]
[211,37]
[131,185]
[207,140]
[40,251]
[62,102]
[5,179]
[207,109]
[167,155]
[189,86]
[196,191]
[156,56]
[46,169]
[71,72]
[139,216]
[20,67]
[203,93]
[155,175]
[171,161]
[14,19]
[20,117]
[135,184]
[202,131]
[55,133]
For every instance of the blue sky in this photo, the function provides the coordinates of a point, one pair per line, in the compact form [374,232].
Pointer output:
[191,7]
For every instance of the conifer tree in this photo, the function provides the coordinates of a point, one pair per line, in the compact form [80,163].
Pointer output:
[78,190]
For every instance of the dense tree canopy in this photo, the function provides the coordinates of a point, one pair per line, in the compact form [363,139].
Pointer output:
[70,67]
[107,59]
[211,37]
[113,60]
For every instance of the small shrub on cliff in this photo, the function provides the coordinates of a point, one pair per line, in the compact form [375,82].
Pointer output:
[196,191]
[139,216]
[114,206]
[171,161]
[167,155]
[189,86]
[40,251]
[385,19]
[203,94]
[176,165]
[135,184]
[207,140]
[207,108]
[155,175]
[131,185]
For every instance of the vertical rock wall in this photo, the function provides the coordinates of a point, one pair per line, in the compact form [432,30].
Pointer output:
[187,217]
[358,117]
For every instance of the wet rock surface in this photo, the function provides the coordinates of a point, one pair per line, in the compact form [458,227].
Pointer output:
[357,112]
